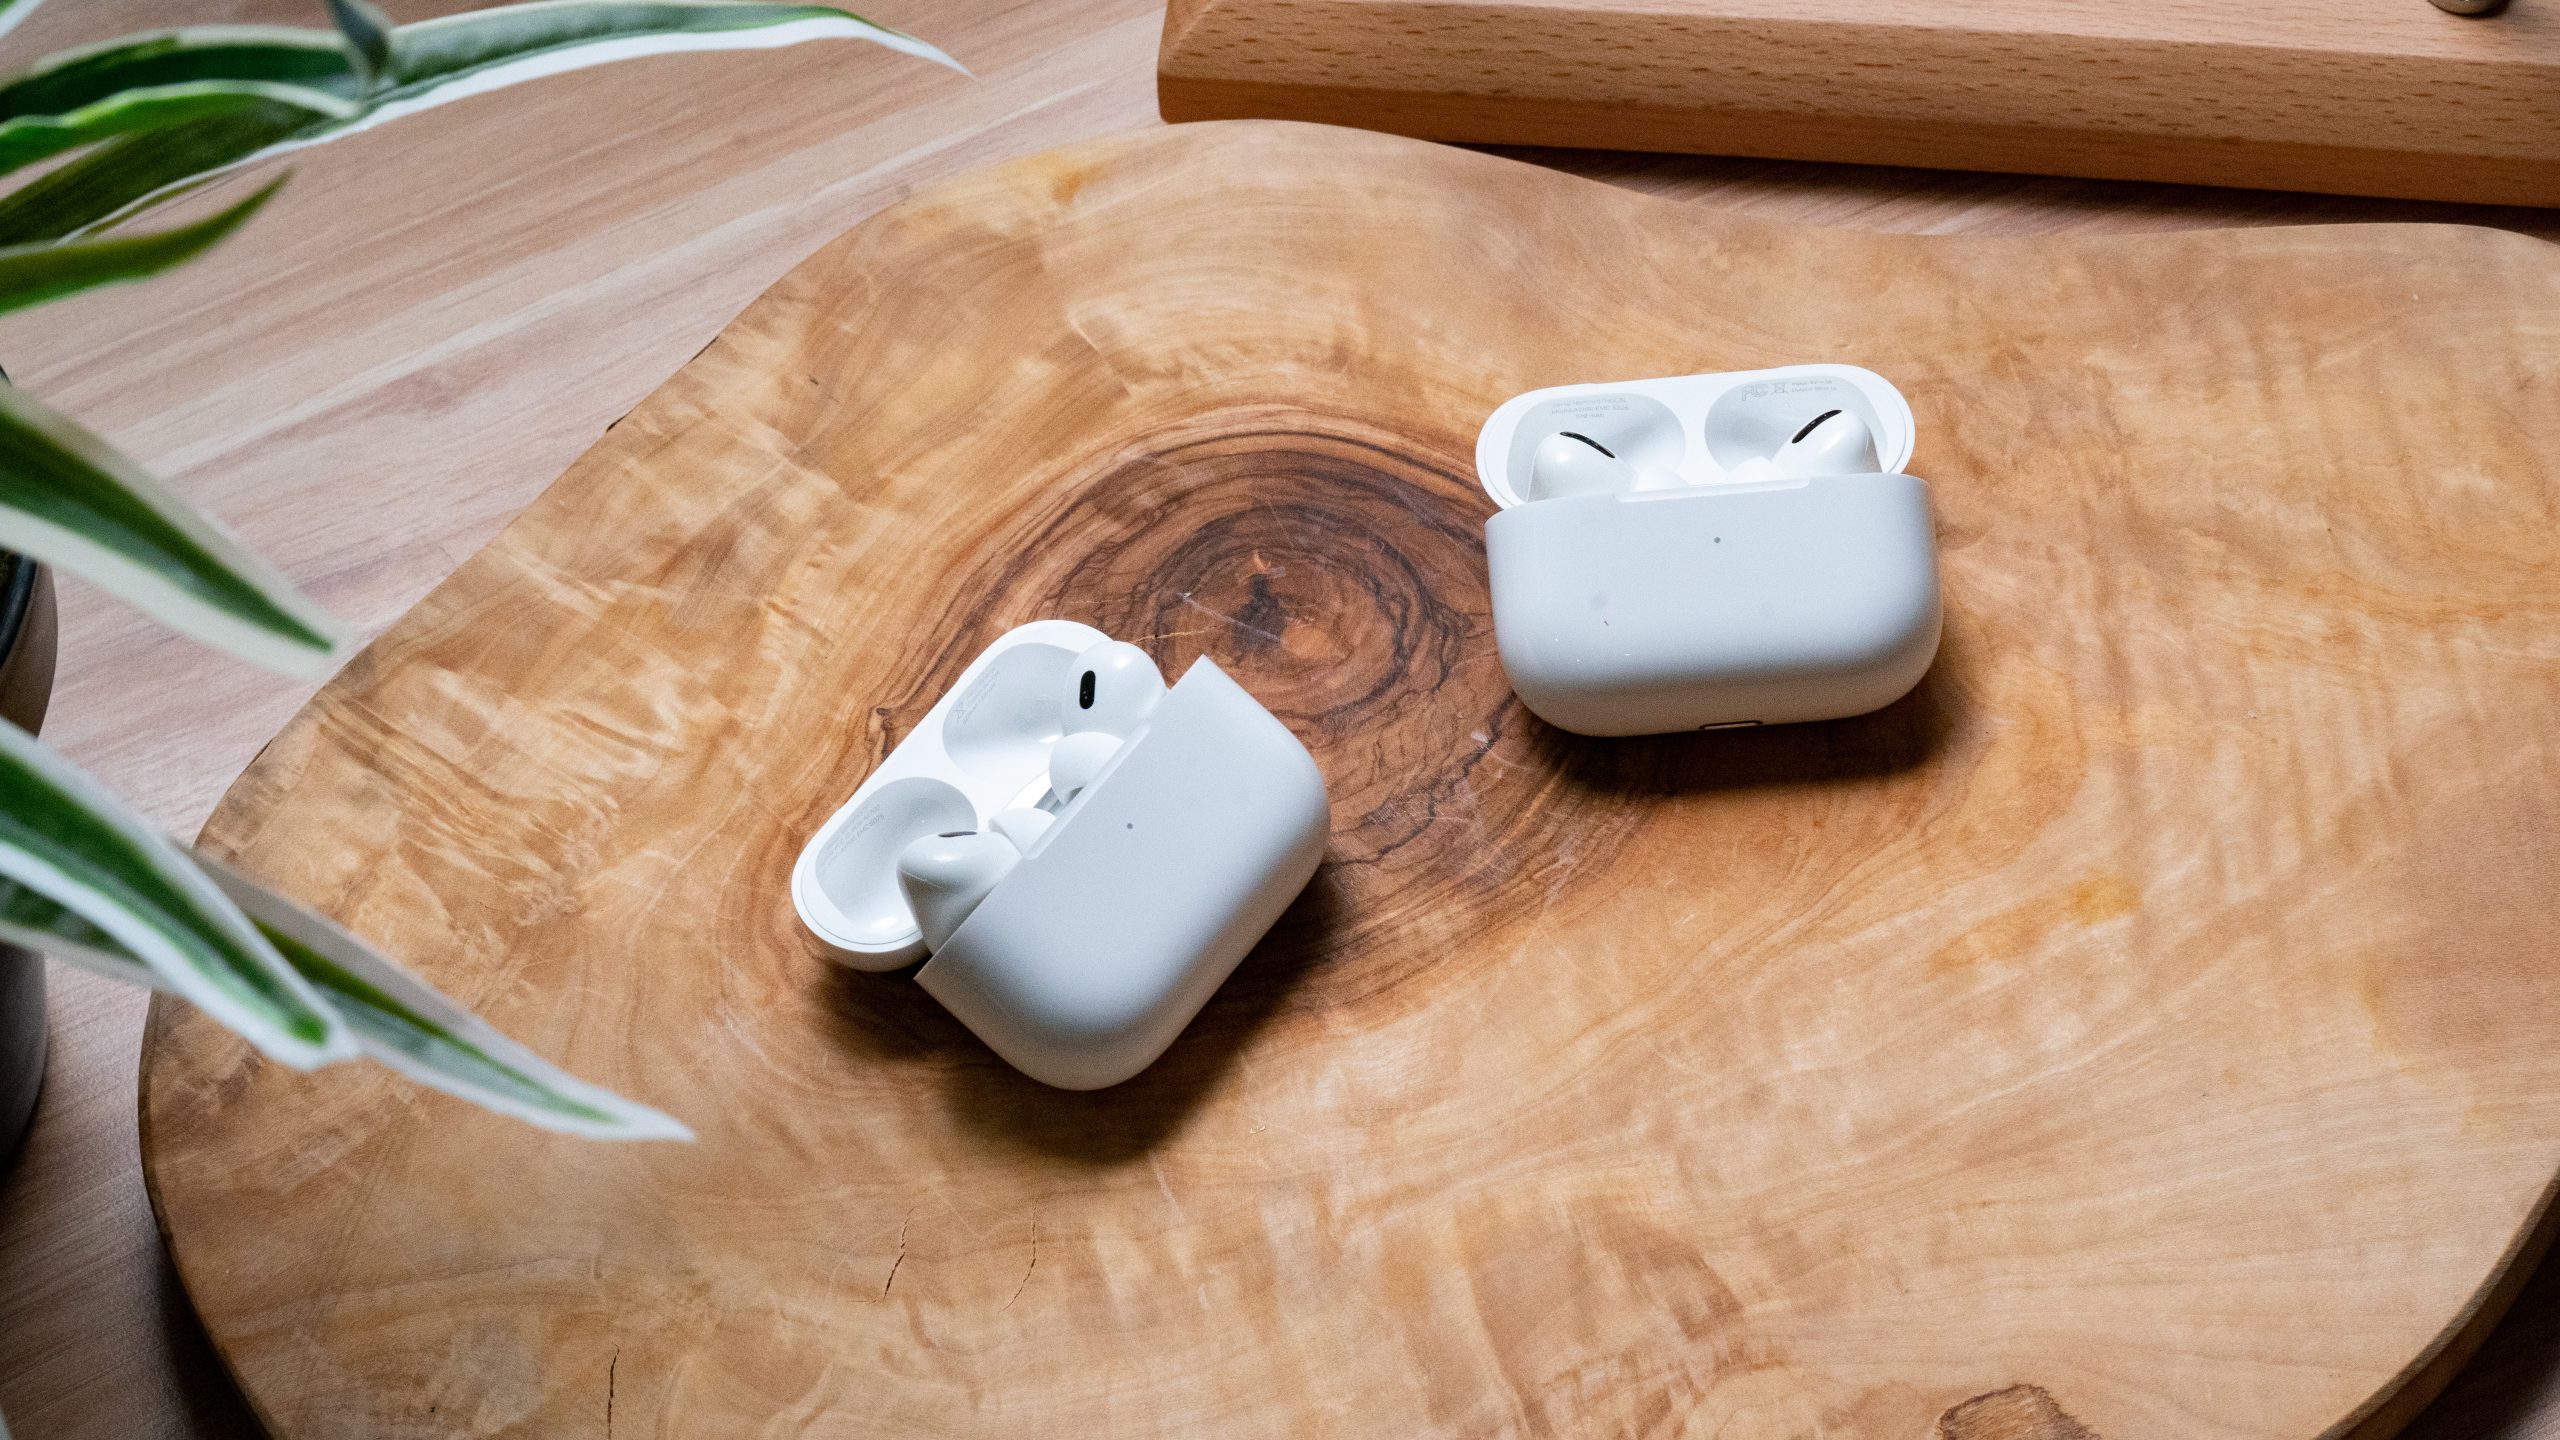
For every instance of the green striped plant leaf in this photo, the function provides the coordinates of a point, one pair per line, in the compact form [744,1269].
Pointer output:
[368,35]
[31,920]
[305,59]
[399,1020]
[310,73]
[391,1015]
[68,499]
[25,139]
[129,174]
[433,62]
[159,115]
[63,837]
[34,274]
[12,12]
[511,44]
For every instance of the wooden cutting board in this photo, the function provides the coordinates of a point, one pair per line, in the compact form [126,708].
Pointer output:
[2145,1029]
[2361,97]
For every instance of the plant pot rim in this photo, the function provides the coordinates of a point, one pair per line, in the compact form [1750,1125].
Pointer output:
[17,597]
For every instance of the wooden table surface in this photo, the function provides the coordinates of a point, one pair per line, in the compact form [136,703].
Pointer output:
[438,316]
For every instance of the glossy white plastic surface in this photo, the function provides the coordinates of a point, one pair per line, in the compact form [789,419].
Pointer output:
[1722,603]
[1127,910]
[1114,930]
[982,748]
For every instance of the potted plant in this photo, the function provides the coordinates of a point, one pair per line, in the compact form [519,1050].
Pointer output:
[131,124]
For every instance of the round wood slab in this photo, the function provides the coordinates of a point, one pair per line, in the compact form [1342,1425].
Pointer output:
[2143,1030]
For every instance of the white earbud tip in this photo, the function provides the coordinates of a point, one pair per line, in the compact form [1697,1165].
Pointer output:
[1569,464]
[1655,477]
[944,877]
[1837,443]
[1022,825]
[1076,760]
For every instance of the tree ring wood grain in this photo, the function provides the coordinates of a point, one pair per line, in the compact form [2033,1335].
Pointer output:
[2142,1029]
[1341,581]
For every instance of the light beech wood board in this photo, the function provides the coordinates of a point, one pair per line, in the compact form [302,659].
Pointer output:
[2141,1030]
[2368,97]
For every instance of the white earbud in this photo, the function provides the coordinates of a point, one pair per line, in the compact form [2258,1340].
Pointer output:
[1022,825]
[1834,442]
[945,876]
[1114,689]
[1110,694]
[1572,463]
[1076,759]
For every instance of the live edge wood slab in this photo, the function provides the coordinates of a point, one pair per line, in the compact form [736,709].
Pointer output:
[2364,97]
[2145,1029]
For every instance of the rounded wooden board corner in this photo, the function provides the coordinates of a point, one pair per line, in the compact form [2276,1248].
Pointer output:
[2143,1029]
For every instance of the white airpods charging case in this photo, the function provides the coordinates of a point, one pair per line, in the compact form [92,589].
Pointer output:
[1721,603]
[1084,962]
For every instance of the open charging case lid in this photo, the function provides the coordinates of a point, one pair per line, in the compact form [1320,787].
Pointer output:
[1692,600]
[1121,918]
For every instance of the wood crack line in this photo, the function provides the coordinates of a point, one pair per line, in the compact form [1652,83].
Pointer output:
[902,1255]
[1026,1270]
